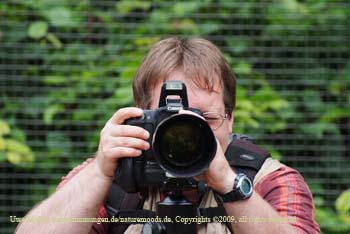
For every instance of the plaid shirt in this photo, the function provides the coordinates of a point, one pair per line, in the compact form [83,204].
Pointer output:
[284,189]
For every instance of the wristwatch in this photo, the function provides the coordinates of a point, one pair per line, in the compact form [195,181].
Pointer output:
[242,189]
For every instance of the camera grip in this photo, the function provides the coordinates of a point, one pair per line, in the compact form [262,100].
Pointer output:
[124,175]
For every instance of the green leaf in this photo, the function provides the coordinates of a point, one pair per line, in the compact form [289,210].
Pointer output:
[16,146]
[37,29]
[275,154]
[208,28]
[334,113]
[35,105]
[60,17]
[4,128]
[312,101]
[159,16]
[123,95]
[342,204]
[50,113]
[18,153]
[319,201]
[184,8]
[2,156]
[243,68]
[267,99]
[294,6]
[18,135]
[145,41]
[127,6]
[14,34]
[58,144]
[2,144]
[237,45]
[54,40]
[14,157]
[186,25]
[55,79]
[317,129]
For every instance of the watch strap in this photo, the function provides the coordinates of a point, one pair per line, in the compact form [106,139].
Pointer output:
[235,194]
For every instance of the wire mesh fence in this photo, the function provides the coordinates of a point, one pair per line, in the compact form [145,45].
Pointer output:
[66,66]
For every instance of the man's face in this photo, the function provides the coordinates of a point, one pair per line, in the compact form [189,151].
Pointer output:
[203,100]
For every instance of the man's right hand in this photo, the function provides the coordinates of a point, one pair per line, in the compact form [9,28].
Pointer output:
[76,198]
[118,140]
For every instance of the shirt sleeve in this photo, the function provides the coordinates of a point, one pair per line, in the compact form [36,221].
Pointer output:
[101,228]
[287,192]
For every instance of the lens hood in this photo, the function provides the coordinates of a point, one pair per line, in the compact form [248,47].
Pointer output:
[184,145]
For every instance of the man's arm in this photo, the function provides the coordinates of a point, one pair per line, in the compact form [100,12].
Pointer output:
[256,207]
[83,195]
[221,177]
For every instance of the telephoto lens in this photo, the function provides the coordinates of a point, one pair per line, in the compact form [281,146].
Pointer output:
[184,145]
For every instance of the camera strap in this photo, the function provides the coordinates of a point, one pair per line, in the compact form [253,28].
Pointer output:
[242,155]
[120,204]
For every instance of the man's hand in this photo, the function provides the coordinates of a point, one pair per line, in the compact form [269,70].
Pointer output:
[219,175]
[118,141]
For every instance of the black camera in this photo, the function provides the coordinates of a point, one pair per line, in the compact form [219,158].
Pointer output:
[182,145]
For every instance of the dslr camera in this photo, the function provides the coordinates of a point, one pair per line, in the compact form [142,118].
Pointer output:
[182,145]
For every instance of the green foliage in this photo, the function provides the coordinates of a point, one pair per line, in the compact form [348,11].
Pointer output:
[264,106]
[37,29]
[13,148]
[125,6]
[82,56]
[337,221]
[342,205]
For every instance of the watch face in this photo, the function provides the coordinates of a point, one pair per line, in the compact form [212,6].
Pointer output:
[246,186]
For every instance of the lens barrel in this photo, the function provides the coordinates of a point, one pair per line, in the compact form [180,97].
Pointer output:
[184,145]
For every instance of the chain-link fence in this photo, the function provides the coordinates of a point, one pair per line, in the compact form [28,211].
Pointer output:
[66,66]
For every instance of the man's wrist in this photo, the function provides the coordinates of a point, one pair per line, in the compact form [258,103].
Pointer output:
[242,189]
[227,184]
[99,173]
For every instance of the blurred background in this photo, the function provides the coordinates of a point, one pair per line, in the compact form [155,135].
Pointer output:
[66,67]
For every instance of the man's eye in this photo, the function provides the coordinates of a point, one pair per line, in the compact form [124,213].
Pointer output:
[210,118]
[213,119]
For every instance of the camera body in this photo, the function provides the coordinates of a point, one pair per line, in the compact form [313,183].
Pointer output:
[182,145]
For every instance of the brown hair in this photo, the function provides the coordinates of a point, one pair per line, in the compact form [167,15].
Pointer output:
[200,61]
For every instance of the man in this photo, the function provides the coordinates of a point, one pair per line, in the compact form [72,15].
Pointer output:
[279,192]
